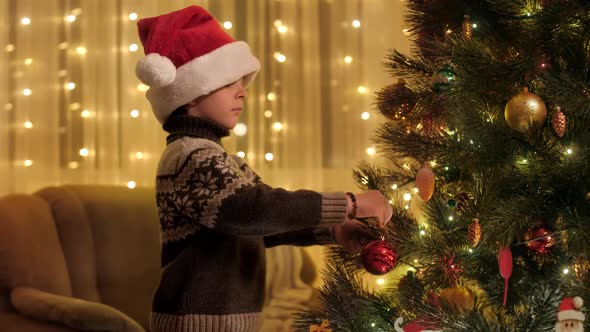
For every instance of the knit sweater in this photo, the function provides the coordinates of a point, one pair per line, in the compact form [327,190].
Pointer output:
[216,218]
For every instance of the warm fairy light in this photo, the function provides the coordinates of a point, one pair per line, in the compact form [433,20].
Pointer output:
[449,31]
[131,184]
[134,113]
[142,87]
[470,250]
[85,113]
[406,31]
[81,50]
[566,271]
[84,152]
[280,57]
[277,126]
[132,16]
[27,92]
[70,18]
[474,25]
[75,106]
[139,155]
[28,125]
[416,261]
[422,232]
[371,151]
[569,151]
[362,89]
[380,281]
[28,61]
[240,129]
[70,85]
[407,207]
[365,116]
[394,187]
[241,154]
[28,162]
[133,47]
[415,190]
[348,59]
[269,156]
[73,164]
[9,48]
[356,23]
[267,114]
[450,218]
[271,96]
[63,45]
[227,25]
[25,21]
[407,197]
[282,29]
[278,23]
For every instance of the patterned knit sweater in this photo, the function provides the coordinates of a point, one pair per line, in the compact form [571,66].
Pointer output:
[216,218]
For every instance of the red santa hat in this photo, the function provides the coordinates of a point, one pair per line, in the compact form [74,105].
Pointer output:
[569,309]
[189,55]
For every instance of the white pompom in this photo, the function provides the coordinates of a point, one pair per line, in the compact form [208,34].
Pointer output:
[578,302]
[155,70]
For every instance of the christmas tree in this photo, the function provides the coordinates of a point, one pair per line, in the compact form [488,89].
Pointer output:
[486,153]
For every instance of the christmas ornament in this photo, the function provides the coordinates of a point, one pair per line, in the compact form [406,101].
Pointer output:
[378,257]
[451,269]
[323,327]
[505,266]
[525,110]
[474,232]
[569,317]
[396,101]
[443,79]
[581,268]
[539,239]
[452,203]
[417,325]
[459,298]
[588,197]
[425,182]
[558,121]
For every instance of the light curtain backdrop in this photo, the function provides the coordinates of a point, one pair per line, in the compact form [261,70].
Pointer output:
[72,110]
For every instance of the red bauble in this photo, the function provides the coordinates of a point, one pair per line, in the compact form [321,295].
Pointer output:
[378,257]
[540,239]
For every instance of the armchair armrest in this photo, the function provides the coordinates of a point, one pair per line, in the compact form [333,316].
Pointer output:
[74,313]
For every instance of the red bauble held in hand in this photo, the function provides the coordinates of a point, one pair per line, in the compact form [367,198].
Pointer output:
[378,257]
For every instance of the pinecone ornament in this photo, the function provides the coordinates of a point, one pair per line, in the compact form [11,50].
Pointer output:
[474,232]
[558,121]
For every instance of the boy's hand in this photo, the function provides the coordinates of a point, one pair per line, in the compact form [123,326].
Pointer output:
[352,235]
[373,204]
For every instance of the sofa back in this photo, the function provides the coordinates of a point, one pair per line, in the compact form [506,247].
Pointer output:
[111,242]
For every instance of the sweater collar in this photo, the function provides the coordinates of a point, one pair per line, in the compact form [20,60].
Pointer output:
[185,125]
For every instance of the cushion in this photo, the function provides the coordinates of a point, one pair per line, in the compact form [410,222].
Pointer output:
[75,313]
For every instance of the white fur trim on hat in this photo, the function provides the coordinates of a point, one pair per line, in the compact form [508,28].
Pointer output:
[570,314]
[155,70]
[202,75]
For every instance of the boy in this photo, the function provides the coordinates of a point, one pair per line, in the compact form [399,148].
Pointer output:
[216,214]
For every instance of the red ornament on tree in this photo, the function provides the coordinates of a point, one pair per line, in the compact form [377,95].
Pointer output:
[378,257]
[559,121]
[539,239]
[425,182]
[474,232]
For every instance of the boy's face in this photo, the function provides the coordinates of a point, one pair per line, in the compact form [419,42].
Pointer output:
[222,106]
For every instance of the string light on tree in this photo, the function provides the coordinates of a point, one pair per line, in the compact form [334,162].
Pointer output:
[81,50]
[133,47]
[132,16]
[267,114]
[28,163]
[84,152]
[280,57]
[142,87]
[70,85]
[27,92]
[277,126]
[371,151]
[134,114]
[227,25]
[28,124]
[70,18]
[25,21]
[131,184]
[9,48]
[28,61]
[407,197]
[347,59]
[241,154]
[365,116]
[139,155]
[356,24]
[271,96]
[85,113]
[362,89]
[269,156]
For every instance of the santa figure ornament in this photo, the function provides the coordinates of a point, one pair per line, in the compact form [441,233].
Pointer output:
[569,317]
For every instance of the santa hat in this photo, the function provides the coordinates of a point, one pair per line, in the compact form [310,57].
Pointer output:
[189,55]
[569,309]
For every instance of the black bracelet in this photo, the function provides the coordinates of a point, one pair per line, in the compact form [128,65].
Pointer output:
[352,213]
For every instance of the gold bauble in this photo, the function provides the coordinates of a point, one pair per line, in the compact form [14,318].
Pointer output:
[525,110]
[460,298]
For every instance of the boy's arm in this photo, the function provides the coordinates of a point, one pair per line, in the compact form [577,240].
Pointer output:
[304,237]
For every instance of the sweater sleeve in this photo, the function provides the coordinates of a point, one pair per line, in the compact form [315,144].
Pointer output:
[305,237]
[211,190]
